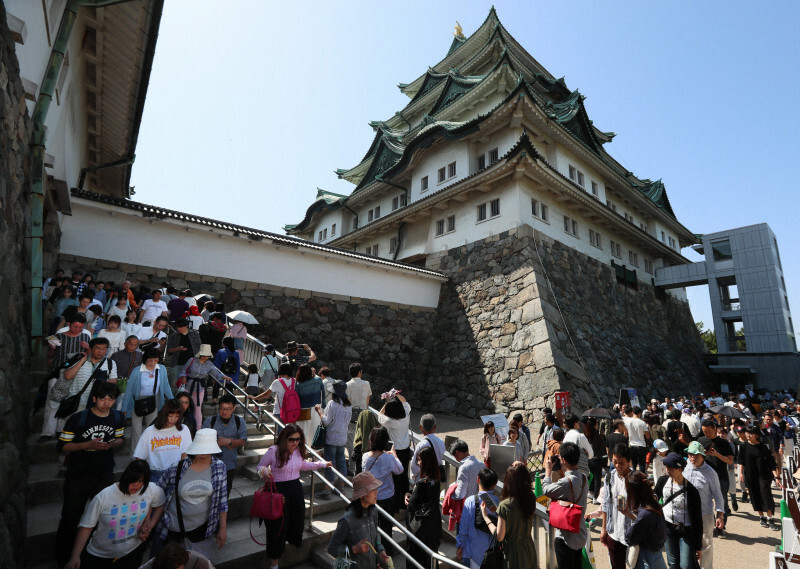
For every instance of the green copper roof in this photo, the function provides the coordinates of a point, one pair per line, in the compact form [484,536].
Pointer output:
[457,43]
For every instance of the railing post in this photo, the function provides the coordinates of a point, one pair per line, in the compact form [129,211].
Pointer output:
[311,502]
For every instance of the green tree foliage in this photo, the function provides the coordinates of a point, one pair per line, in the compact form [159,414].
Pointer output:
[708,336]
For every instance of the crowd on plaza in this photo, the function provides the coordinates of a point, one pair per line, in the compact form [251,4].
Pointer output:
[664,478]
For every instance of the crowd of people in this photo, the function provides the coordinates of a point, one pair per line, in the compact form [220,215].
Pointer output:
[665,477]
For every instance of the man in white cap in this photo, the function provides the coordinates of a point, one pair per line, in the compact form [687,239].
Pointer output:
[662,450]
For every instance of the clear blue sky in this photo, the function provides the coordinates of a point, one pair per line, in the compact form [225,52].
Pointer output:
[253,105]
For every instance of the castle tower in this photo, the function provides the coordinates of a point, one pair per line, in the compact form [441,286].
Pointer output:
[492,148]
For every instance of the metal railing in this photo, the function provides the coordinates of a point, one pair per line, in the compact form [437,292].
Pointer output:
[253,351]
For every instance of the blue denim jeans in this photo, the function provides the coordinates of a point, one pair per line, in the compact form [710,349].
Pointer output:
[679,552]
[649,559]
[335,454]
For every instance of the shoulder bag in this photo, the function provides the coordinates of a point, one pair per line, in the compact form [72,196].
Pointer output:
[345,562]
[319,437]
[493,558]
[122,382]
[267,505]
[567,516]
[71,404]
[146,405]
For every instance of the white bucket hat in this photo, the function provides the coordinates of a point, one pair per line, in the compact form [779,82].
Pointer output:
[205,350]
[205,442]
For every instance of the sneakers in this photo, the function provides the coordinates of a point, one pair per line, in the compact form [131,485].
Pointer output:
[324,495]
[764,523]
[44,439]
[774,526]
[734,503]
[745,499]
[720,533]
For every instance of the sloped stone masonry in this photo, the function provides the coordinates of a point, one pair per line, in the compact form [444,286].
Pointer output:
[15,207]
[503,336]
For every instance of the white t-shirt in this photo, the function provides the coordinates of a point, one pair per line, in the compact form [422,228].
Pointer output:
[146,333]
[278,391]
[328,384]
[162,448]
[195,322]
[152,309]
[358,390]
[398,428]
[252,380]
[636,429]
[131,328]
[118,517]
[116,340]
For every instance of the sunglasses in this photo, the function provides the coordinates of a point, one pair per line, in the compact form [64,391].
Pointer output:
[293,439]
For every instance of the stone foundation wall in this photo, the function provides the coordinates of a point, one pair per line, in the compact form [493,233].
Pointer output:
[391,341]
[513,329]
[15,208]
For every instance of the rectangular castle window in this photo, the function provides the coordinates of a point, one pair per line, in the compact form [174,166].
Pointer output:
[493,156]
[595,189]
[442,175]
[494,206]
[333,230]
[395,203]
[482,212]
[633,258]
[595,239]
[616,250]
[392,244]
[451,223]
[451,169]
[481,162]
[423,184]
[440,227]
[570,226]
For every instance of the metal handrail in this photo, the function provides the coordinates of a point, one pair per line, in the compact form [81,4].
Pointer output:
[540,515]
[435,555]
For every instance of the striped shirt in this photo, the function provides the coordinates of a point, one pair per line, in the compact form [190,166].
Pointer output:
[336,419]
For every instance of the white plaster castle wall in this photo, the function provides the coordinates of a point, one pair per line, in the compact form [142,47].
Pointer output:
[66,118]
[125,237]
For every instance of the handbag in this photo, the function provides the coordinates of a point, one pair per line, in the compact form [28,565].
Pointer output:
[72,403]
[632,556]
[267,505]
[122,382]
[493,558]
[319,437]
[146,405]
[345,562]
[567,516]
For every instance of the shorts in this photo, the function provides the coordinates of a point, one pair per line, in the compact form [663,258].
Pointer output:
[254,390]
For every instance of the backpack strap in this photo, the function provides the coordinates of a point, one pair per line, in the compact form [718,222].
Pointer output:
[178,497]
[213,421]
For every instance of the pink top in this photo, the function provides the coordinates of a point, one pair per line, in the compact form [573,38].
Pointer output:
[238,330]
[290,470]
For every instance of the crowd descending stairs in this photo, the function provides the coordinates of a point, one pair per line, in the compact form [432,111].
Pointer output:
[45,491]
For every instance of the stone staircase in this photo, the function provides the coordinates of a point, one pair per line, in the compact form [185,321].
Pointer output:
[45,493]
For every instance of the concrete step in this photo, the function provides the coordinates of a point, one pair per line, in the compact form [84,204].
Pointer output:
[45,486]
[43,519]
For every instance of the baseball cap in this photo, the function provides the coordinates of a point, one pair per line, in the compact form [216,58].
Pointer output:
[660,445]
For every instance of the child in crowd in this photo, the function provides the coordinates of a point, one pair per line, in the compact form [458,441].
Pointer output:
[116,337]
[253,386]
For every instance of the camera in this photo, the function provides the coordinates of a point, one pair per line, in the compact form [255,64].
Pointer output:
[680,529]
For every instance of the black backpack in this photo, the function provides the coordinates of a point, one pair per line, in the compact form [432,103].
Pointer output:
[229,366]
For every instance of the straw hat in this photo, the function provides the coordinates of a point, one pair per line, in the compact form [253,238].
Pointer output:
[205,350]
[205,442]
[363,483]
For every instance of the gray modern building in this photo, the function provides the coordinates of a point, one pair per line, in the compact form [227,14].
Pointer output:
[755,334]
